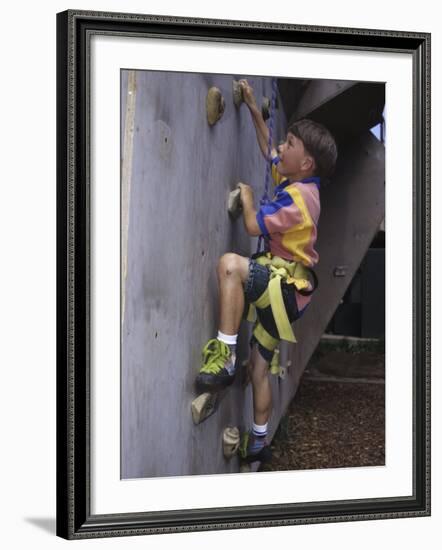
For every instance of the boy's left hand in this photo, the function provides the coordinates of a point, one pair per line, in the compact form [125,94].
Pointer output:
[246,193]
[249,212]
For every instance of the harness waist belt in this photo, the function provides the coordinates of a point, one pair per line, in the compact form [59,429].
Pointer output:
[280,271]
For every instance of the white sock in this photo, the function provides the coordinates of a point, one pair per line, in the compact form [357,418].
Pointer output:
[229,339]
[260,429]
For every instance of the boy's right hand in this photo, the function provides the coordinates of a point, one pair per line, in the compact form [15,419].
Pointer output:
[247,93]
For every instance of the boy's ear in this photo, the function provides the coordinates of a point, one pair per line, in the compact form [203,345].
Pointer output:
[308,163]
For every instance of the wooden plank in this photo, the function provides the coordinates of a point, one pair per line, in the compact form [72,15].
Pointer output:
[129,90]
[350,109]
[345,107]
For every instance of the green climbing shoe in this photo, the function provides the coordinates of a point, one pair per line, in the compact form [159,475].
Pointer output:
[213,374]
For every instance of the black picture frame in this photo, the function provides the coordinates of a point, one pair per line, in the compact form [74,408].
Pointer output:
[74,31]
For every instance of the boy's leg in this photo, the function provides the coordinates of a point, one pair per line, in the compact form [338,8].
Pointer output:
[219,354]
[262,391]
[256,445]
[233,272]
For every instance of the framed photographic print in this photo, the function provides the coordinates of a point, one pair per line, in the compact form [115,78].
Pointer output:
[243,274]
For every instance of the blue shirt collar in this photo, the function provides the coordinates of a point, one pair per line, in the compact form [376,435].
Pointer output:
[284,183]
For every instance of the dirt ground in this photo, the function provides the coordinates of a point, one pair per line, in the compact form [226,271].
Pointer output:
[337,418]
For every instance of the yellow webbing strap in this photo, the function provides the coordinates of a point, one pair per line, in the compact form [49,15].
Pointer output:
[263,301]
[278,308]
[274,364]
[295,272]
[264,338]
[251,314]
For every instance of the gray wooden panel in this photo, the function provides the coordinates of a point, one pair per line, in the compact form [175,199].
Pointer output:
[182,173]
[123,92]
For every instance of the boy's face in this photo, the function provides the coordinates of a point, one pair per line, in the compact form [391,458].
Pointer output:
[295,162]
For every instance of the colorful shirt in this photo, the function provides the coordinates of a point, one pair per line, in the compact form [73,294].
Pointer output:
[290,221]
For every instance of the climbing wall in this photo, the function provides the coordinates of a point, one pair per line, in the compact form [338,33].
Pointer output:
[177,172]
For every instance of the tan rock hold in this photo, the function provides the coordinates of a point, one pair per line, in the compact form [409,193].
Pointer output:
[215,105]
[231,440]
[234,205]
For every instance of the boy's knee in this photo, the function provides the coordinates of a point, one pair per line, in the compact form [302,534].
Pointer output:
[229,264]
[257,372]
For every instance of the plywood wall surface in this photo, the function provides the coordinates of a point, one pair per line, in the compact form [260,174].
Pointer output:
[182,172]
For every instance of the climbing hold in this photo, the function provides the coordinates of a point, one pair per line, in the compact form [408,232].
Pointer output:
[237,93]
[231,440]
[283,370]
[266,105]
[265,108]
[215,105]
[204,406]
[234,206]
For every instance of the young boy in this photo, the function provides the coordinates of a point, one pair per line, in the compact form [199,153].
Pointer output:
[281,281]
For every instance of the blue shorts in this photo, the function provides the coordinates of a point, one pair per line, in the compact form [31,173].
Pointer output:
[256,284]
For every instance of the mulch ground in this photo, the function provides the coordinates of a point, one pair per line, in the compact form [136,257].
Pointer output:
[331,425]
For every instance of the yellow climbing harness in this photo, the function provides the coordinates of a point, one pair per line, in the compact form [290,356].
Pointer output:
[280,271]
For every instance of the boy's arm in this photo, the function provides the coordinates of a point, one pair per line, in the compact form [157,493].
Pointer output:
[249,212]
[262,132]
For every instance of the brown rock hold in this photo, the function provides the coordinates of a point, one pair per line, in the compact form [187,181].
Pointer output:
[215,105]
